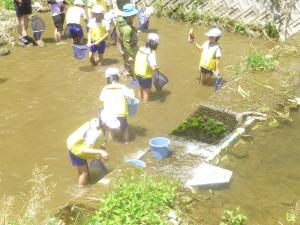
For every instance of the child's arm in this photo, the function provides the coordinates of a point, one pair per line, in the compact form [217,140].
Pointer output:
[199,47]
[217,72]
[89,37]
[100,152]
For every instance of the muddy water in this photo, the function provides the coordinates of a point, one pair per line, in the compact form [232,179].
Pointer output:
[46,94]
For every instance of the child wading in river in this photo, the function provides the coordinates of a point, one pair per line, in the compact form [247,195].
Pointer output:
[98,32]
[210,56]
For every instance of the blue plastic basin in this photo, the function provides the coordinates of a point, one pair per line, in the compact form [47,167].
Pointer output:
[160,147]
[137,162]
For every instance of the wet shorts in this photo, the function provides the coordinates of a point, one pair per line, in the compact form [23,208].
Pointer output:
[74,31]
[145,83]
[76,161]
[206,71]
[123,122]
[23,8]
[98,48]
[59,21]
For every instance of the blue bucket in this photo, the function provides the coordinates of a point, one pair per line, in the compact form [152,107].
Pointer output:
[160,147]
[137,162]
[132,106]
[79,51]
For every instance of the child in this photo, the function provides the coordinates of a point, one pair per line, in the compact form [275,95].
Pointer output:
[145,65]
[114,97]
[58,16]
[98,32]
[73,17]
[81,145]
[210,56]
[92,3]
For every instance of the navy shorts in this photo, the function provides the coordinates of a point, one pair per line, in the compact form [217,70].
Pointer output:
[24,8]
[206,71]
[98,48]
[145,82]
[59,21]
[76,161]
[123,122]
[74,31]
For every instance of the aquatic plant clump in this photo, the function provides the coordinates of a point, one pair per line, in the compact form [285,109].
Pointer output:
[136,199]
[260,61]
[199,127]
[233,217]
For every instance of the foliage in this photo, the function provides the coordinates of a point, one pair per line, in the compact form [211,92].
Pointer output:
[202,124]
[235,217]
[271,30]
[7,4]
[179,12]
[36,200]
[158,7]
[193,15]
[239,27]
[136,200]
[293,216]
[259,61]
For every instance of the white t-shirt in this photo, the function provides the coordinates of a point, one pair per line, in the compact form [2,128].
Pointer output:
[74,14]
[93,23]
[55,8]
[91,136]
[94,2]
[207,47]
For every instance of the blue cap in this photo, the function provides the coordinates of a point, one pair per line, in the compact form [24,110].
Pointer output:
[129,10]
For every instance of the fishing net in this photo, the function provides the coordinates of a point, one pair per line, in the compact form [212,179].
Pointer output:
[37,26]
[159,80]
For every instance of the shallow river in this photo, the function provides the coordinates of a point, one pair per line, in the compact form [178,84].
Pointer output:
[46,94]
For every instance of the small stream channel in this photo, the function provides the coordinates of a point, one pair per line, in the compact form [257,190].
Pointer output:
[46,94]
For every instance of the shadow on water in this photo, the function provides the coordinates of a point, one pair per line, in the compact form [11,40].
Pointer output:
[136,131]
[160,95]
[49,40]
[88,68]
[2,80]
[153,30]
[109,61]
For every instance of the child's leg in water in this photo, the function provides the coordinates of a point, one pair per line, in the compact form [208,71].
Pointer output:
[92,59]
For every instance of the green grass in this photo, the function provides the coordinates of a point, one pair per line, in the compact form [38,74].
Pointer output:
[7,4]
[259,61]
[233,217]
[136,199]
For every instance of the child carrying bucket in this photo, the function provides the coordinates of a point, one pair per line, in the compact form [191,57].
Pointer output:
[98,32]
[210,56]
[145,65]
[73,17]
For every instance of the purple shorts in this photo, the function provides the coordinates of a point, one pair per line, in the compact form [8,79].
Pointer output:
[145,82]
[206,71]
[76,161]
[123,122]
[98,48]
[74,31]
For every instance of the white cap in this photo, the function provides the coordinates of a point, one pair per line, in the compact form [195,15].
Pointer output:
[153,37]
[94,123]
[110,120]
[78,2]
[111,72]
[214,32]
[98,9]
